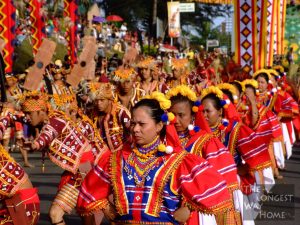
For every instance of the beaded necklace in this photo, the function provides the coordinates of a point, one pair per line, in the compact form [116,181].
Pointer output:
[142,160]
[183,137]
[218,132]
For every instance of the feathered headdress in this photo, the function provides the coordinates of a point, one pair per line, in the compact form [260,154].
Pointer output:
[230,88]
[122,74]
[251,82]
[100,91]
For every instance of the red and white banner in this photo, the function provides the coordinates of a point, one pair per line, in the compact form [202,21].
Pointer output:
[246,34]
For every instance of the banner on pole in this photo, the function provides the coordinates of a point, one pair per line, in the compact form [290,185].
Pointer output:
[246,34]
[7,31]
[174,19]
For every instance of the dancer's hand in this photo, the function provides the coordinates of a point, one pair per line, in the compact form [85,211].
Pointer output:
[110,212]
[182,214]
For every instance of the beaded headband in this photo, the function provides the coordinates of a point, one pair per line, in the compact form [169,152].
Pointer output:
[34,101]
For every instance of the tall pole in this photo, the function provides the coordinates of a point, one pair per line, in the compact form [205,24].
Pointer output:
[2,80]
[171,37]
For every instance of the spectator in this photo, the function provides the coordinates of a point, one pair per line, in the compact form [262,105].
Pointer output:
[123,29]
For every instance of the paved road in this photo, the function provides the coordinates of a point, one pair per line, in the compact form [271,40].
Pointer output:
[47,182]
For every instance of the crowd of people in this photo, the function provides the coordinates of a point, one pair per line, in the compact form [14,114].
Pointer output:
[153,140]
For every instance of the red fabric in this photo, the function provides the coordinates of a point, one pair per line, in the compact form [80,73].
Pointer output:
[246,182]
[87,157]
[296,123]
[32,205]
[18,126]
[69,178]
[37,24]
[70,10]
[7,31]
[25,194]
[268,126]
[252,147]
[201,121]
[172,138]
[289,127]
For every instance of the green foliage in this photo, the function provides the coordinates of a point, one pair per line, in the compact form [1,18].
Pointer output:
[23,54]
[149,50]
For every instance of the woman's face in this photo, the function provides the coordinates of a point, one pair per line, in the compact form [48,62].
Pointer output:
[145,73]
[183,113]
[143,127]
[211,114]
[262,84]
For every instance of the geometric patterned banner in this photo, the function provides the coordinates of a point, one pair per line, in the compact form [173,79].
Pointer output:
[261,33]
[272,12]
[246,34]
[71,11]
[213,1]
[7,31]
[37,24]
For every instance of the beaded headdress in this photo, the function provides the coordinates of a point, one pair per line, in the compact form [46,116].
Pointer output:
[178,64]
[279,68]
[274,73]
[34,101]
[145,63]
[122,74]
[63,102]
[100,91]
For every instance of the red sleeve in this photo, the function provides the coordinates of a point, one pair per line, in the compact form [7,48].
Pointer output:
[49,132]
[95,188]
[268,126]
[220,158]
[202,187]
[4,123]
[252,147]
